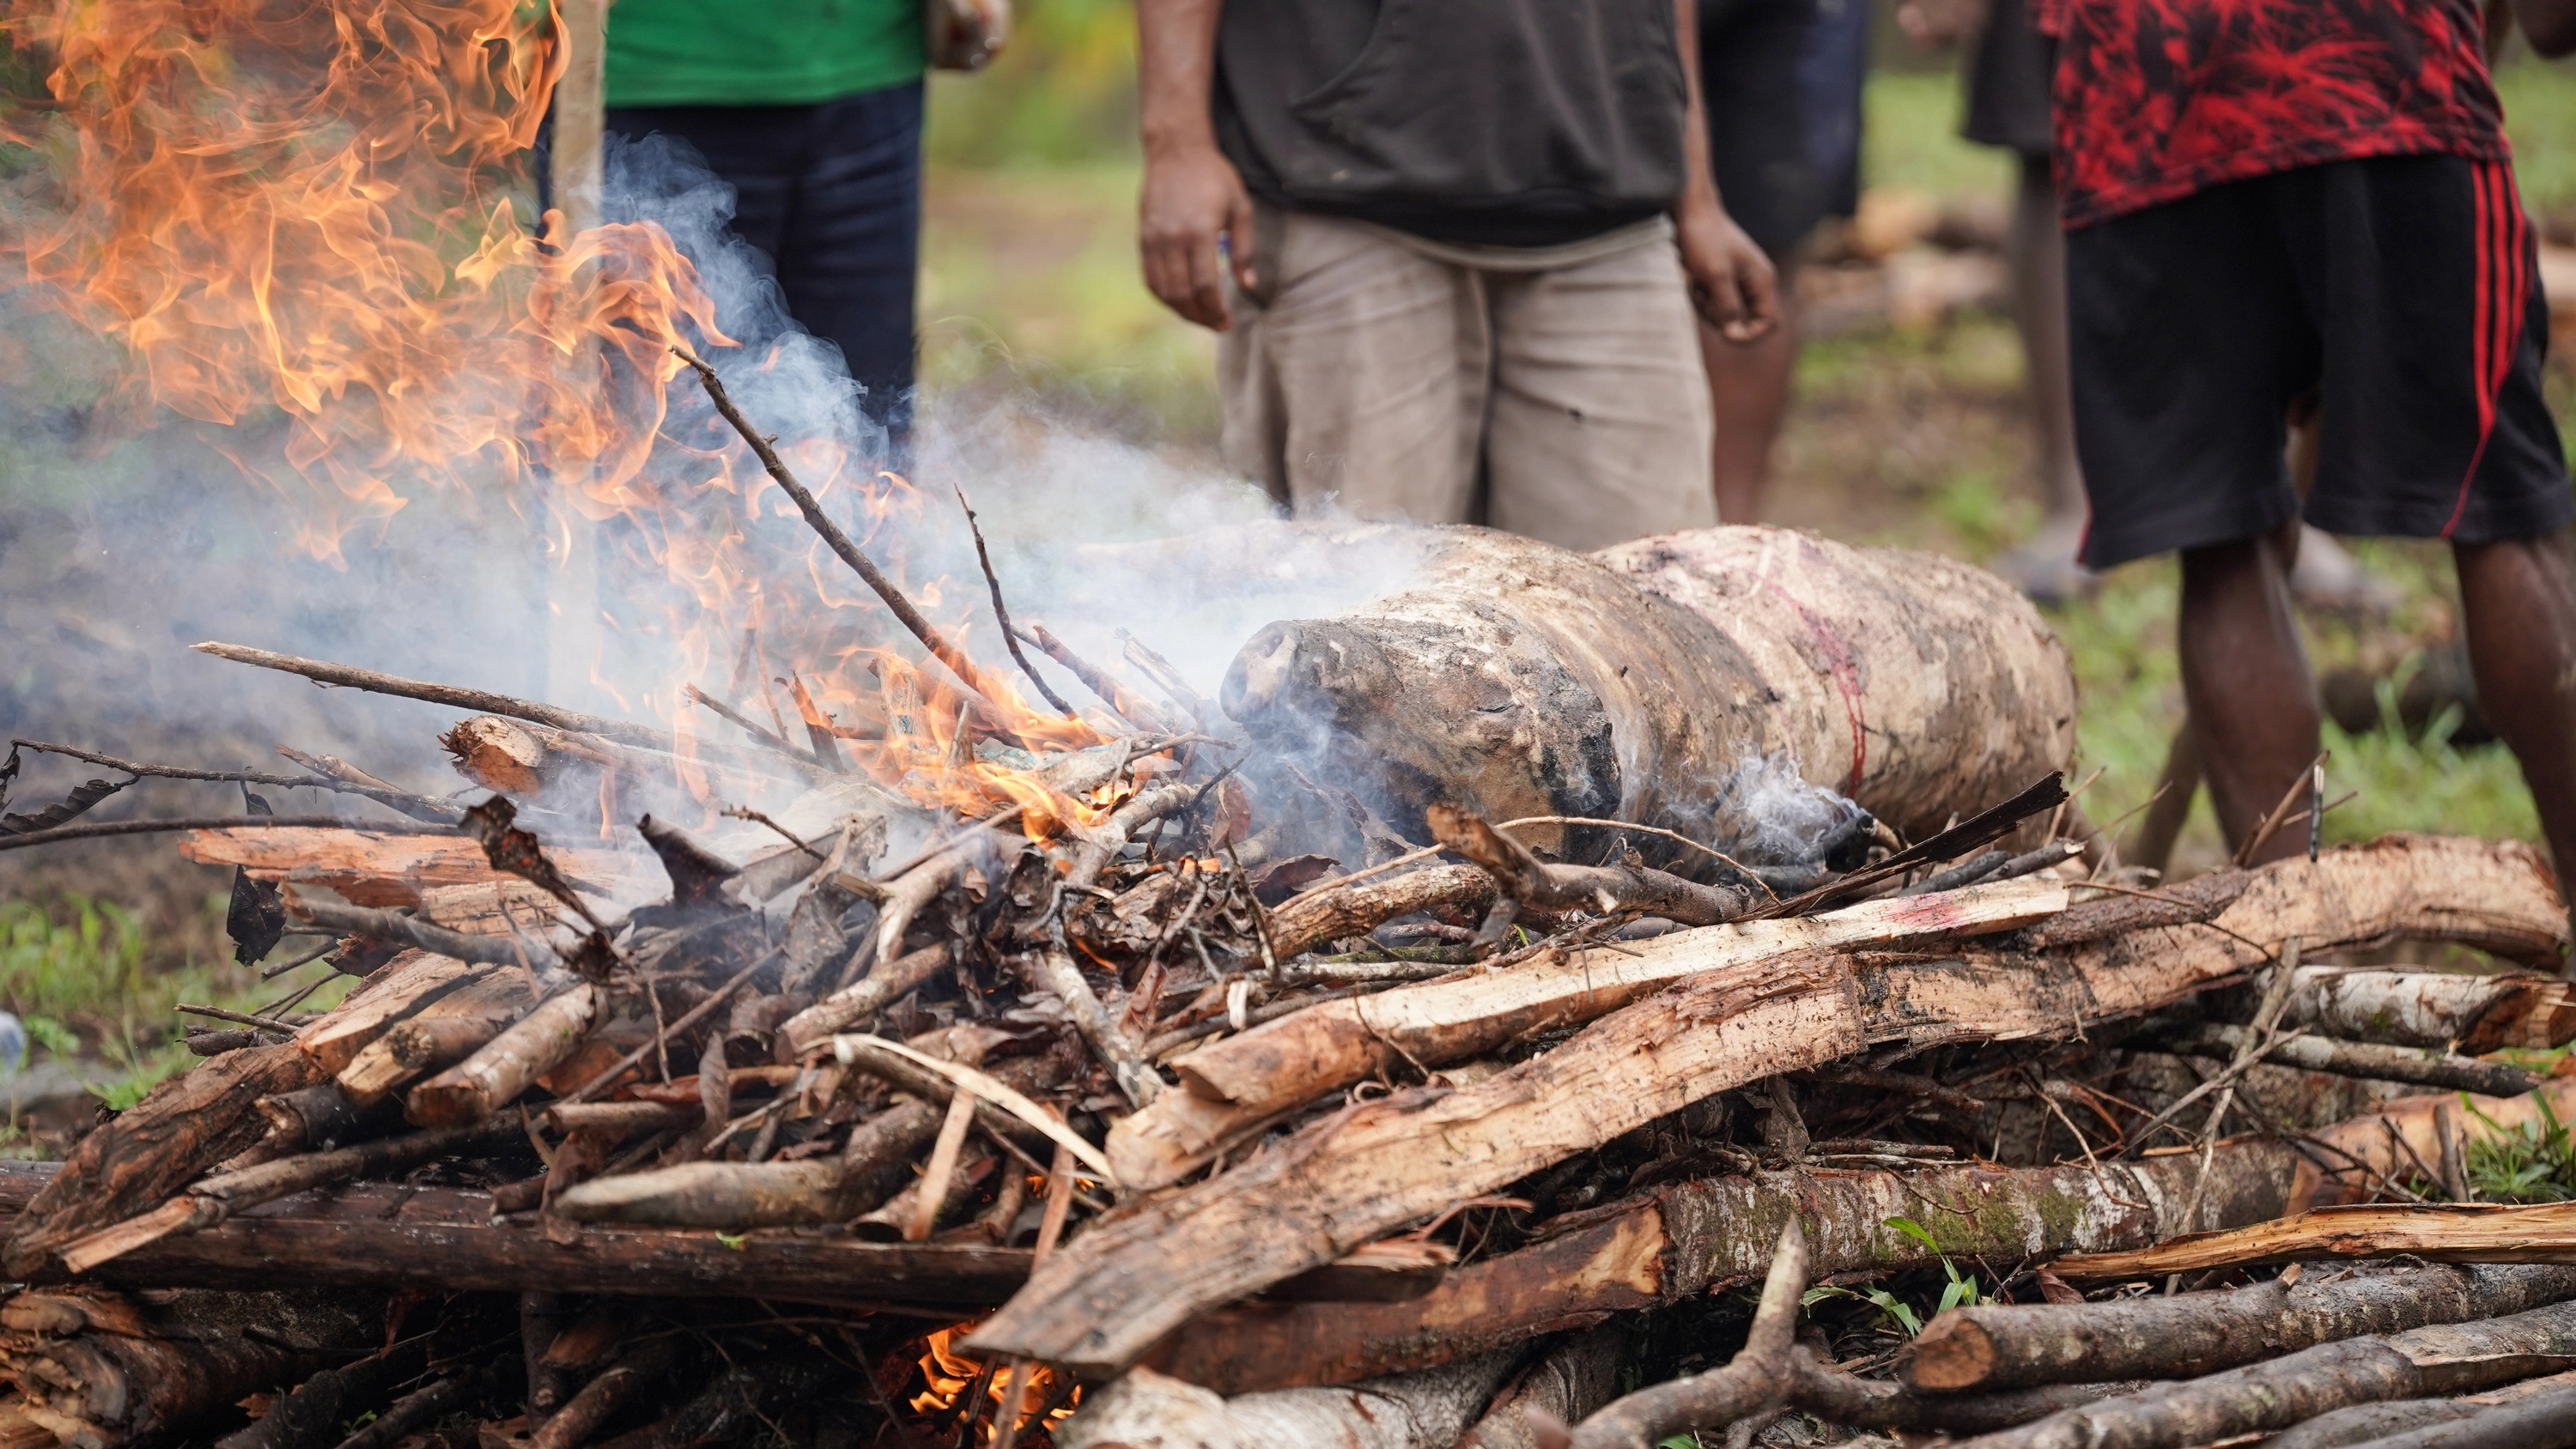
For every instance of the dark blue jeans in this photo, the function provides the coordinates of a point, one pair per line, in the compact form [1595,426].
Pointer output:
[831,195]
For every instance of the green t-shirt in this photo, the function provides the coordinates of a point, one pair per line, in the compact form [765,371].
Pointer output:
[765,53]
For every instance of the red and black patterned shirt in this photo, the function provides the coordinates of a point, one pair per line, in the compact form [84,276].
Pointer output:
[2157,99]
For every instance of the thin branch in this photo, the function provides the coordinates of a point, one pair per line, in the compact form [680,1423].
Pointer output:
[220,822]
[1010,637]
[975,680]
[241,777]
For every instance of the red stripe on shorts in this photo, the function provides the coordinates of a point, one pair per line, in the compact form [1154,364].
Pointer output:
[2503,291]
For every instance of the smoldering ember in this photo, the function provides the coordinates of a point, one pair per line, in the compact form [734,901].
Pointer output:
[914,1022]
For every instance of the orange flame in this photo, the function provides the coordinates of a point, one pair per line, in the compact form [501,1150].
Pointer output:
[314,215]
[947,1377]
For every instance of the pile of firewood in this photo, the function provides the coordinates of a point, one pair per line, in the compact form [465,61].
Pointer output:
[1040,1084]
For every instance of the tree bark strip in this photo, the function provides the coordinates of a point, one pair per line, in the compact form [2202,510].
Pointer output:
[1994,1346]
[1691,1238]
[410,982]
[2436,1232]
[1305,922]
[2258,1398]
[2415,1119]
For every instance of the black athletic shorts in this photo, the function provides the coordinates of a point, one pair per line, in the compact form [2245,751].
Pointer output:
[1758,148]
[2403,290]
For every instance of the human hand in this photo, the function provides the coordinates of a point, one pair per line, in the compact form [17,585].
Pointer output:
[1732,284]
[1193,196]
[1940,22]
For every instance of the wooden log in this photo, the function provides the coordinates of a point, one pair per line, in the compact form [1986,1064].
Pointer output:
[494,1076]
[425,1406]
[2436,1232]
[2012,1346]
[1108,1297]
[387,869]
[1307,921]
[425,1044]
[2420,1066]
[1576,1375]
[1601,888]
[2376,1423]
[402,930]
[402,986]
[854,1005]
[637,1370]
[1517,679]
[2273,1395]
[105,1371]
[729,1195]
[169,1139]
[1238,1084]
[2473,1015]
[2349,1158]
[1684,1240]
[384,1234]
[2543,1419]
[1426,1410]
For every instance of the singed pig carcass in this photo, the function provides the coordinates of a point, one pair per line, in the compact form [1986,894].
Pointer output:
[1719,683]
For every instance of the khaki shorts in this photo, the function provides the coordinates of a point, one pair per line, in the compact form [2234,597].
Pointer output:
[1398,379]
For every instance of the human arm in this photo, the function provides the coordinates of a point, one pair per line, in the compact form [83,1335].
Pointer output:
[1192,196]
[1942,22]
[1732,283]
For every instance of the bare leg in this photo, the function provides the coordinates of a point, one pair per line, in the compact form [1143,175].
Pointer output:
[1748,389]
[2245,677]
[2520,599]
[2045,566]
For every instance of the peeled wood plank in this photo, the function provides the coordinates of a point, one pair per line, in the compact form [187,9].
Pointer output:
[149,1152]
[2437,1232]
[1109,1296]
[1691,1238]
[1238,1084]
[388,870]
[1411,1411]
[1996,1346]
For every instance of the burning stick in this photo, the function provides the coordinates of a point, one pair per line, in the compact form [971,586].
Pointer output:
[1127,706]
[976,681]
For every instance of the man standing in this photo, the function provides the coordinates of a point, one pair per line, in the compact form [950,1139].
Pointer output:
[811,111]
[1454,247]
[2273,201]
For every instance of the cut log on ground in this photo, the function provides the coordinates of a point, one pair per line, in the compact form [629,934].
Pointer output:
[1634,683]
[2010,1346]
[1689,1239]
[1104,1301]
[2259,1398]
[1572,1378]
[2436,1232]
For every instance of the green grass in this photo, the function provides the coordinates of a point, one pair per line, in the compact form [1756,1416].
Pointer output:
[74,971]
[2540,117]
